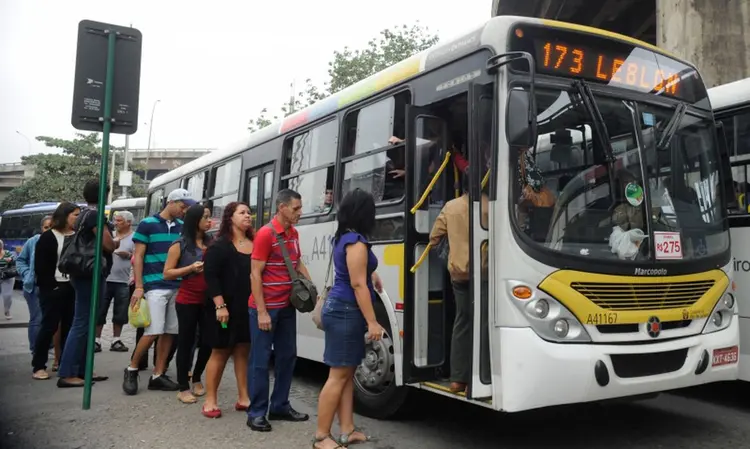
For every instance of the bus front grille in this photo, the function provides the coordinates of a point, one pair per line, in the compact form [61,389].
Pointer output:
[647,296]
[628,366]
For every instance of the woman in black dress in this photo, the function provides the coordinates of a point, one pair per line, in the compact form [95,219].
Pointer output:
[227,273]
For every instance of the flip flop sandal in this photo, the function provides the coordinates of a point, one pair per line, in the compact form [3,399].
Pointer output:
[198,392]
[317,440]
[186,400]
[344,438]
[55,367]
[42,376]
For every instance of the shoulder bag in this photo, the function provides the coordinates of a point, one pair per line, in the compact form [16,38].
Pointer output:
[77,256]
[304,291]
[318,311]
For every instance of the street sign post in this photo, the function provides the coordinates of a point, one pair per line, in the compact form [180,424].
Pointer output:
[105,98]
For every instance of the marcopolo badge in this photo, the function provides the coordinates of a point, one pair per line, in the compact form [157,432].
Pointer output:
[634,194]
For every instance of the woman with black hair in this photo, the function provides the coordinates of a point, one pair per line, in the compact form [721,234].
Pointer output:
[348,314]
[56,295]
[185,261]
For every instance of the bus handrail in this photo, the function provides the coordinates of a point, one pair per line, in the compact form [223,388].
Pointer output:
[421,258]
[432,183]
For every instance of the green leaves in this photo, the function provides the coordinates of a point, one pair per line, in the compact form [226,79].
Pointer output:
[61,177]
[350,66]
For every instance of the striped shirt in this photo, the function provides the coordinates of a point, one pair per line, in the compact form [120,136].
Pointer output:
[157,234]
[277,285]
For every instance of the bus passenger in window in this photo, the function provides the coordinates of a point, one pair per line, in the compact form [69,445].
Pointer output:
[453,224]
[327,202]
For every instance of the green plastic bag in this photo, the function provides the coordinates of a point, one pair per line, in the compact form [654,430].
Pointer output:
[141,317]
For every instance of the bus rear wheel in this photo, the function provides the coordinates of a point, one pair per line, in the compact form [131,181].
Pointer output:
[376,394]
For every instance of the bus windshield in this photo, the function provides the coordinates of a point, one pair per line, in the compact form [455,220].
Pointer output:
[651,192]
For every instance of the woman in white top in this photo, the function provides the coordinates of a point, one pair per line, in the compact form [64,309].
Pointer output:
[56,295]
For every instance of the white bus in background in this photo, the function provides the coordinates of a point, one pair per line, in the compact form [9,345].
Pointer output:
[731,105]
[136,206]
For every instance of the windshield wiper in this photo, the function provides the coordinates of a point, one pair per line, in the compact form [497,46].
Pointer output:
[672,126]
[600,129]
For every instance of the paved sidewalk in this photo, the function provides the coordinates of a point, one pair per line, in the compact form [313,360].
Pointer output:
[37,414]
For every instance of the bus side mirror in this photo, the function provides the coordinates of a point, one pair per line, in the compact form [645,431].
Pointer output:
[725,168]
[520,119]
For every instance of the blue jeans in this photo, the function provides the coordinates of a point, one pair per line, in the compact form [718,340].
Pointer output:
[35,315]
[73,362]
[283,337]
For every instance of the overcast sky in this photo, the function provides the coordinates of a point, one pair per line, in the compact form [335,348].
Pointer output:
[213,64]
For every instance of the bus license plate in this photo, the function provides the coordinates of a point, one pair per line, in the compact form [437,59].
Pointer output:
[726,356]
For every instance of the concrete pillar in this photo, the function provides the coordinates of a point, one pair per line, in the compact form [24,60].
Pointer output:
[712,34]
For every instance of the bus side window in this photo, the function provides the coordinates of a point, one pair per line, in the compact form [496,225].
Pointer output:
[737,132]
[376,130]
[309,168]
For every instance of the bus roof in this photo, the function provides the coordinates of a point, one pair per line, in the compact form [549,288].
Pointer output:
[128,202]
[491,33]
[32,208]
[730,94]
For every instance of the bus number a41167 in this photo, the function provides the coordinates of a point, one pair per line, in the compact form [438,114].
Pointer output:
[602,318]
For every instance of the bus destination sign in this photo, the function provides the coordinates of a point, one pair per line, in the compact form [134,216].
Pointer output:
[607,61]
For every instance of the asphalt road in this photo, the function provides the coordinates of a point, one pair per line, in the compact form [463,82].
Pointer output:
[36,414]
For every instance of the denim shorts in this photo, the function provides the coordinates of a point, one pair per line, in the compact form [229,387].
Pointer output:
[345,328]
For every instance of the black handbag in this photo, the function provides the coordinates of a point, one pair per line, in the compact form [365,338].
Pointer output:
[78,254]
[304,292]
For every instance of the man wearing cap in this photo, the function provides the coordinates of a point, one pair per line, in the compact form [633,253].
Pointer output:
[152,239]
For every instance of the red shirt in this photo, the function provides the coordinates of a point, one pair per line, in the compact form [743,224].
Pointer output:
[192,290]
[277,285]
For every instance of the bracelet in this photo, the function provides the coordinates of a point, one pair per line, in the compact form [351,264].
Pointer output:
[223,306]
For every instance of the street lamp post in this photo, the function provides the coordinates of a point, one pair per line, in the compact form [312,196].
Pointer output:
[148,149]
[28,141]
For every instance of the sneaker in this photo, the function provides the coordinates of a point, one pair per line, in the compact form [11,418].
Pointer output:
[8,316]
[130,382]
[163,383]
[118,346]
[97,347]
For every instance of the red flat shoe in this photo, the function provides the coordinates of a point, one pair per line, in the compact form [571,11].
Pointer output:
[241,408]
[211,413]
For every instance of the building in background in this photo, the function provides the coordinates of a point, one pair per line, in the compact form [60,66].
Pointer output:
[157,160]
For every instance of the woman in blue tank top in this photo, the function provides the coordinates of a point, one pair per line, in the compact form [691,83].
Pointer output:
[348,315]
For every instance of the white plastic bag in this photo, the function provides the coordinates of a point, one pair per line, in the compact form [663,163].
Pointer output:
[626,243]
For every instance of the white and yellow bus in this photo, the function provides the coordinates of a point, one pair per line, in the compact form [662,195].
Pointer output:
[731,104]
[622,287]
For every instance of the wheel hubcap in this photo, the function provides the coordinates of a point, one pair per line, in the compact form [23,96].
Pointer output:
[374,373]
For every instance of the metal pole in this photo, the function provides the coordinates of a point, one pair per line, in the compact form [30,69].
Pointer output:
[112,178]
[148,149]
[100,223]
[125,162]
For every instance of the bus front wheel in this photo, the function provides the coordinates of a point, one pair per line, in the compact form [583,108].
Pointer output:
[376,394]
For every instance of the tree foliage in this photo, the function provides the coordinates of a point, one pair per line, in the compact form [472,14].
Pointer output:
[349,66]
[61,177]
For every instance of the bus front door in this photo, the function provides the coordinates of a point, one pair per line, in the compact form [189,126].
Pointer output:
[425,336]
[481,160]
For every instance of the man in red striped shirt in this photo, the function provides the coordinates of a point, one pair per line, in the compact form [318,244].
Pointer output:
[273,320]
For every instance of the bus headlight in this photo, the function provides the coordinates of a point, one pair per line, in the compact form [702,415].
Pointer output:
[548,317]
[722,314]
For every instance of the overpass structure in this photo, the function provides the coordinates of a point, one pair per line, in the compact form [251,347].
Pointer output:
[712,34]
[158,161]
